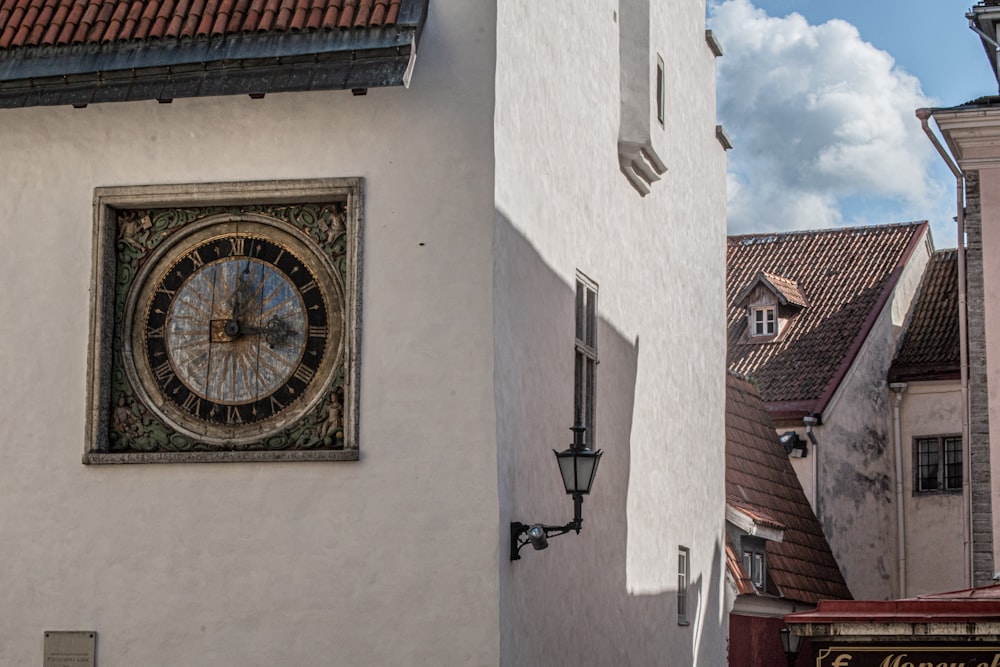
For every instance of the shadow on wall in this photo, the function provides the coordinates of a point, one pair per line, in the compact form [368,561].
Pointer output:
[569,604]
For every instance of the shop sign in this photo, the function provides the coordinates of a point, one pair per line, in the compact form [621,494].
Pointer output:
[913,655]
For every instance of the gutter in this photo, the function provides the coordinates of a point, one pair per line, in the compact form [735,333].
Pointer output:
[899,388]
[924,116]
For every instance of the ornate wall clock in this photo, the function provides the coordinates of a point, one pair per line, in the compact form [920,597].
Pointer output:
[233,331]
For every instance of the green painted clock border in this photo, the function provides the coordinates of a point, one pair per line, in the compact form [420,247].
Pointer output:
[130,224]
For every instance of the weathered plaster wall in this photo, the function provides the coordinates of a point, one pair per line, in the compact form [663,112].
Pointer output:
[563,205]
[388,561]
[933,521]
[856,469]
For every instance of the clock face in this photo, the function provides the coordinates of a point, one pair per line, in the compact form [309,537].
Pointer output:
[234,329]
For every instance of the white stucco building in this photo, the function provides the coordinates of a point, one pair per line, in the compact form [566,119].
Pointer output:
[536,148]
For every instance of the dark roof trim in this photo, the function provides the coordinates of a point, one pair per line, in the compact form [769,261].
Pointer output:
[916,610]
[924,373]
[253,63]
[789,410]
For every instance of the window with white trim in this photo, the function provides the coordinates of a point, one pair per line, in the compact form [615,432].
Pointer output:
[585,374]
[937,464]
[763,321]
[683,580]
[754,554]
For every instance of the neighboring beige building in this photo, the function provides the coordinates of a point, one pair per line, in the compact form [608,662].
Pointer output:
[970,133]
[814,319]
[287,362]
[926,403]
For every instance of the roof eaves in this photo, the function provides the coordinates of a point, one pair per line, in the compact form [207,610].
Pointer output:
[246,63]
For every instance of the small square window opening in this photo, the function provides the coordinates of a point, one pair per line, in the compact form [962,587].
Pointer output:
[763,321]
[937,464]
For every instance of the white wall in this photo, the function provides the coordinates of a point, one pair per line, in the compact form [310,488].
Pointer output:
[387,561]
[563,205]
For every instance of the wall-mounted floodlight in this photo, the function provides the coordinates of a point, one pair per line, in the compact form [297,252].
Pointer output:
[578,466]
[794,445]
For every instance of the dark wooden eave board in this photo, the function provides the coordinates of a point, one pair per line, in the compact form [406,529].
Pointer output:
[234,65]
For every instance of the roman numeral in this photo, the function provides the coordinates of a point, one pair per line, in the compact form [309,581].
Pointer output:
[155,332]
[196,259]
[233,415]
[169,292]
[164,372]
[308,286]
[276,406]
[237,245]
[192,404]
[304,373]
[314,332]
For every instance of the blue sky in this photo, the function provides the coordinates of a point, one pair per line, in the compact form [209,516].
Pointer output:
[818,97]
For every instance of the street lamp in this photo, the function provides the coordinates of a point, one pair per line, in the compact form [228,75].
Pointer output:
[791,643]
[578,466]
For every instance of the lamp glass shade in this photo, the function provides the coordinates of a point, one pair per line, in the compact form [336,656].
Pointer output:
[578,468]
[790,642]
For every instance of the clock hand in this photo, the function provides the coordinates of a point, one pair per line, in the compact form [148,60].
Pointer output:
[275,332]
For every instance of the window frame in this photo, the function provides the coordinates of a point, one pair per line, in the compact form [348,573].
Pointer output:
[946,448]
[661,93]
[765,326]
[585,357]
[683,584]
[753,553]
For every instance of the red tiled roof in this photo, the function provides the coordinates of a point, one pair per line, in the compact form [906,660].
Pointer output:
[930,346]
[82,52]
[787,291]
[65,22]
[755,514]
[759,475]
[848,275]
[744,585]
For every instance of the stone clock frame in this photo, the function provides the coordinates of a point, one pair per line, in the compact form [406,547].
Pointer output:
[133,225]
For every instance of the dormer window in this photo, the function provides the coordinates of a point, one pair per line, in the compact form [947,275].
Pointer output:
[771,303]
[749,530]
[763,321]
[754,560]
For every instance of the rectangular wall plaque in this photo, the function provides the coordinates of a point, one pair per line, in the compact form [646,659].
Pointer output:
[69,649]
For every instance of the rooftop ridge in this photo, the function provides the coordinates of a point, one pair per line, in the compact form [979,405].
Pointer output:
[735,238]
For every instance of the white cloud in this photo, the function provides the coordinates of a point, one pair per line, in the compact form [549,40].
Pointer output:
[821,121]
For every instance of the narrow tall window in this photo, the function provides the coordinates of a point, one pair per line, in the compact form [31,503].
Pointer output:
[660,91]
[683,578]
[938,464]
[585,380]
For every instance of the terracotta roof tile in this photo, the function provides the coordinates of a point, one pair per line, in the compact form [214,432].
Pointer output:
[25,23]
[929,348]
[760,480]
[846,273]
[744,585]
